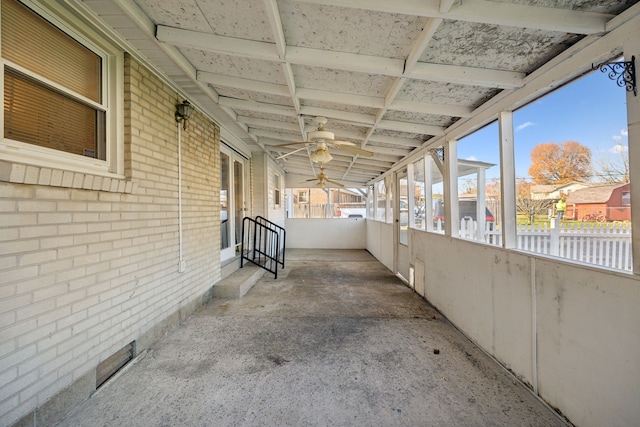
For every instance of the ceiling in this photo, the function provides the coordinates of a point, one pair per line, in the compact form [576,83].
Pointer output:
[392,77]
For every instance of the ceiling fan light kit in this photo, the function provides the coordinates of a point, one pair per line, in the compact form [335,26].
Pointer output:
[321,155]
[323,179]
[324,139]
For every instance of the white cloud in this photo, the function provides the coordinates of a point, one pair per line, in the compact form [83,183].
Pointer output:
[472,158]
[618,148]
[524,126]
[623,134]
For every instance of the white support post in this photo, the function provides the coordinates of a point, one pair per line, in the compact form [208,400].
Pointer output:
[428,194]
[631,48]
[481,204]
[508,180]
[451,209]
[410,196]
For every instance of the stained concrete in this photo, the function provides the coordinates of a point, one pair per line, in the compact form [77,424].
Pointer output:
[336,340]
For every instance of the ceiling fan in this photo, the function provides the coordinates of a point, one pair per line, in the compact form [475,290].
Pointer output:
[323,139]
[323,179]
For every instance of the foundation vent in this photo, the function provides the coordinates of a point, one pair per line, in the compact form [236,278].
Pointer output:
[111,365]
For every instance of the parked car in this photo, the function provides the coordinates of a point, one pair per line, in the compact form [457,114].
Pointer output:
[353,213]
[467,210]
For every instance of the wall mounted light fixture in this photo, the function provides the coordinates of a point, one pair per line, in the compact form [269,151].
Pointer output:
[183,112]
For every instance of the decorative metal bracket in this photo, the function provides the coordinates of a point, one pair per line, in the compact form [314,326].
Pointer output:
[623,72]
[438,152]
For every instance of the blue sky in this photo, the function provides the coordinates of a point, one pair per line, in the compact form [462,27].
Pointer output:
[590,110]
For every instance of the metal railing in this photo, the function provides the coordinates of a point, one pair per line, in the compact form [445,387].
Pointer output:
[263,244]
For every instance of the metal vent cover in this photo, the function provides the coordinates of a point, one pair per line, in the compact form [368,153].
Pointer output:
[112,364]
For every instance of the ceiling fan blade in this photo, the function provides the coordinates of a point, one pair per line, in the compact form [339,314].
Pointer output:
[289,144]
[355,150]
[341,143]
[290,153]
[335,182]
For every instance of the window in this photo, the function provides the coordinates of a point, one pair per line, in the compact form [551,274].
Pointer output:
[434,191]
[593,225]
[403,214]
[369,203]
[478,177]
[60,93]
[381,201]
[626,199]
[276,190]
[326,203]
[419,194]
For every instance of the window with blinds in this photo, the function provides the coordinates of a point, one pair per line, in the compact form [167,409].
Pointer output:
[52,86]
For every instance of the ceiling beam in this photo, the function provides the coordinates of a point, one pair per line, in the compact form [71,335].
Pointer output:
[398,152]
[430,108]
[403,142]
[467,75]
[240,83]
[337,114]
[340,98]
[526,16]
[265,123]
[260,107]
[218,44]
[345,61]
[421,43]
[339,60]
[273,13]
[488,12]
[411,127]
[275,135]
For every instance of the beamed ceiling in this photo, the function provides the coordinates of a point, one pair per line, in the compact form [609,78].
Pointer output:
[393,77]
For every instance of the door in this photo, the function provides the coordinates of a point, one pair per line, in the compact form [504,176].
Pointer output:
[402,224]
[232,202]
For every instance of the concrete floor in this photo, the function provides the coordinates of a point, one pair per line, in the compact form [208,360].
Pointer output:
[336,340]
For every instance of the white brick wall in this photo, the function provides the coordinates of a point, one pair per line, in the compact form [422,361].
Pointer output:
[89,264]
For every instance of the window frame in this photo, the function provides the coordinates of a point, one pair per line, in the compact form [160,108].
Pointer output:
[112,81]
[276,190]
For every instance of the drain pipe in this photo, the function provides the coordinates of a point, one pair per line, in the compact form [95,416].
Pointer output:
[183,111]
[181,262]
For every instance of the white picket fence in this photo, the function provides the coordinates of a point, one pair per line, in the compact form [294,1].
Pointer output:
[606,244]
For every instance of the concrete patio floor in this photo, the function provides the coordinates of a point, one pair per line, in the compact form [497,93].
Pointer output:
[336,340]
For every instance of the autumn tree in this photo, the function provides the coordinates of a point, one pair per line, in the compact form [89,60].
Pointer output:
[553,163]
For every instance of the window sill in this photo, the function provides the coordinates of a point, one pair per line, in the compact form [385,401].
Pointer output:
[18,173]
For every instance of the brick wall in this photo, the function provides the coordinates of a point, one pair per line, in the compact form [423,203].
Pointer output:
[84,271]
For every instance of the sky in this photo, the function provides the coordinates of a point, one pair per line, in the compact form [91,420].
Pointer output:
[590,110]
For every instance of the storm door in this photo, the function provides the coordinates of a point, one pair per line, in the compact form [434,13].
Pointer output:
[402,224]
[232,202]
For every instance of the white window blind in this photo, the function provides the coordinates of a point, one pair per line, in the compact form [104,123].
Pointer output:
[60,117]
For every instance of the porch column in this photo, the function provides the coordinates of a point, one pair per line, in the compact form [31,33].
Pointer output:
[451,208]
[481,204]
[428,194]
[508,180]
[630,48]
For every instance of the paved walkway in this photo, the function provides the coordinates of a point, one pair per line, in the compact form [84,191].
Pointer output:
[336,340]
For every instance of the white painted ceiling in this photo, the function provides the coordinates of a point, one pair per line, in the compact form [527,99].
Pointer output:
[391,76]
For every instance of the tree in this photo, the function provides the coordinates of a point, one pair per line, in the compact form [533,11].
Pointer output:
[525,205]
[615,168]
[553,163]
